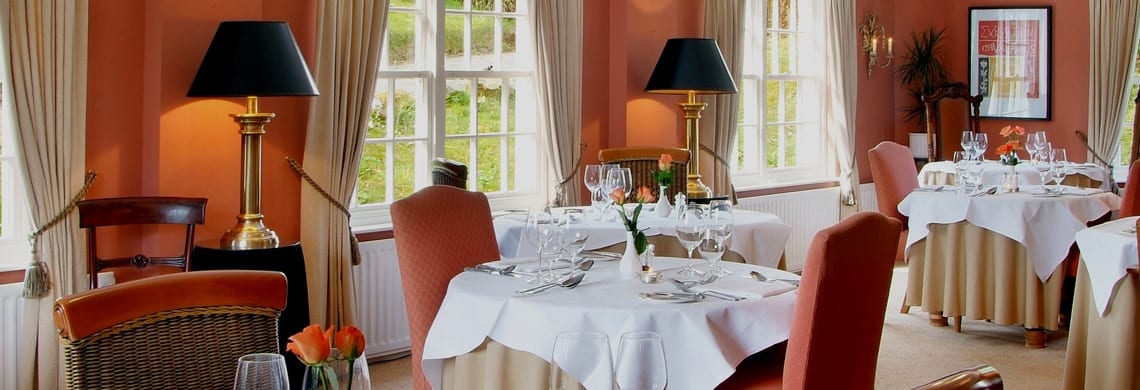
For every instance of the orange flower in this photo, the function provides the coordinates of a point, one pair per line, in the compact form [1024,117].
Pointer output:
[665,161]
[350,341]
[311,345]
[644,194]
[618,196]
[1006,131]
[1004,148]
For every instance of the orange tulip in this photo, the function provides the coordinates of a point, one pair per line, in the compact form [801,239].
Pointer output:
[618,196]
[664,162]
[644,194]
[350,341]
[311,345]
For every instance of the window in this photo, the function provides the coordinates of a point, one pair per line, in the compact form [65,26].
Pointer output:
[455,81]
[15,225]
[1126,131]
[780,139]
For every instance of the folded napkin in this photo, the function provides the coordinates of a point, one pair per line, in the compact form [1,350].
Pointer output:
[1080,191]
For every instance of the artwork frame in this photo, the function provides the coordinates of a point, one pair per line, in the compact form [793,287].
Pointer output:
[1010,61]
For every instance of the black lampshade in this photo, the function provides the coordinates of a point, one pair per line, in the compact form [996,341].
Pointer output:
[253,58]
[690,64]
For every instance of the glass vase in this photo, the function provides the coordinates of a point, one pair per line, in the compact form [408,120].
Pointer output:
[1011,180]
[336,374]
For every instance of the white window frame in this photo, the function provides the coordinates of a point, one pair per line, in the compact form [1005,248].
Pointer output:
[15,222]
[813,160]
[431,67]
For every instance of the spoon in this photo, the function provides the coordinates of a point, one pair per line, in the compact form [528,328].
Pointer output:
[761,278]
[583,266]
[505,271]
[570,282]
[687,286]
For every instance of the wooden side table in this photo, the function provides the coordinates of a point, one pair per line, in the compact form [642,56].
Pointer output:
[287,259]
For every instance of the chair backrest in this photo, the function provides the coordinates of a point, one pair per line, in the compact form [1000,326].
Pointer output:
[642,164]
[894,174]
[933,110]
[147,210]
[177,331]
[838,319]
[448,172]
[1130,201]
[439,230]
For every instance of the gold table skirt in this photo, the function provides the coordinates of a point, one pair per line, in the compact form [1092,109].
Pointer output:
[1082,181]
[1104,352]
[494,366]
[960,269]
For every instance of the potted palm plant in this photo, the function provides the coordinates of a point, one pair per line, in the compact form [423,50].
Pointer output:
[921,72]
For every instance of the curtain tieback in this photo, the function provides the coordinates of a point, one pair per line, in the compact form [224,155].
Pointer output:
[353,245]
[36,280]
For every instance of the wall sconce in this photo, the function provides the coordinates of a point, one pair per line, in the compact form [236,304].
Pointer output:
[873,35]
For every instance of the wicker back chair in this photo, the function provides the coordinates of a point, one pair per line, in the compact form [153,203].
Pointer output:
[449,173]
[176,331]
[642,164]
[144,210]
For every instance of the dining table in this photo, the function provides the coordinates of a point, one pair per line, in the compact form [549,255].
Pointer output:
[758,237]
[1104,328]
[488,335]
[996,256]
[1084,175]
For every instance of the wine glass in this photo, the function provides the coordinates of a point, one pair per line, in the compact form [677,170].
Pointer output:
[581,356]
[712,248]
[959,159]
[540,231]
[689,224]
[641,362]
[573,240]
[719,226]
[1043,164]
[1060,167]
[1032,144]
[981,141]
[968,143]
[261,371]
[593,181]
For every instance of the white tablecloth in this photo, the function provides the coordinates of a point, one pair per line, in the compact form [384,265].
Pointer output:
[759,237]
[1108,252]
[992,172]
[1046,226]
[704,341]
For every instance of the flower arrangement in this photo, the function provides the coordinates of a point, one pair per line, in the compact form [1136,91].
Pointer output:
[1007,152]
[664,175]
[644,195]
[314,347]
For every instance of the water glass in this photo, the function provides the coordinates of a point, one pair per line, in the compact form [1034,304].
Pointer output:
[1060,167]
[981,141]
[1042,163]
[959,159]
[261,371]
[581,357]
[540,230]
[689,227]
[968,143]
[593,181]
[641,362]
[573,240]
[712,248]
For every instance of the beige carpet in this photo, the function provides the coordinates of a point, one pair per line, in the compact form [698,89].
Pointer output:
[912,352]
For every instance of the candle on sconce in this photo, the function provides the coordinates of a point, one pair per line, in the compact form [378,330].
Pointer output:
[874,46]
[890,47]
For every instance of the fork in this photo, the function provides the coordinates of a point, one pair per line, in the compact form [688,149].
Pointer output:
[687,287]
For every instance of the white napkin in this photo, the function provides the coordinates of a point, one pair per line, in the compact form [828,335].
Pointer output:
[745,286]
[1067,190]
[526,264]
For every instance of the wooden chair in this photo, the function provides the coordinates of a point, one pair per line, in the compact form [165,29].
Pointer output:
[150,210]
[449,172]
[934,120]
[439,230]
[838,320]
[177,331]
[642,164]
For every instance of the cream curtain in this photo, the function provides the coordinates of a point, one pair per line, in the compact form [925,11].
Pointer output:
[1112,41]
[836,30]
[46,49]
[349,38]
[724,22]
[558,37]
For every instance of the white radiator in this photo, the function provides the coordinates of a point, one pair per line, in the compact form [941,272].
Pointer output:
[11,311]
[867,199]
[805,211]
[380,300]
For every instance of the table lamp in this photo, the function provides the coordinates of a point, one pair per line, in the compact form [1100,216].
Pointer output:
[691,66]
[251,59]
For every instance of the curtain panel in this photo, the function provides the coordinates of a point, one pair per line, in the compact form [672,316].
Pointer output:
[840,88]
[558,37]
[1112,48]
[724,22]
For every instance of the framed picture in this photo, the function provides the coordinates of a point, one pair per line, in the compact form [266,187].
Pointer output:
[1011,60]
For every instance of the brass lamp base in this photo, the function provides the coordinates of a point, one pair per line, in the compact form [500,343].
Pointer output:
[695,189]
[250,233]
[692,114]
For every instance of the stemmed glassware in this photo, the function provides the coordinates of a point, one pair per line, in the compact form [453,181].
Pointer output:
[593,181]
[959,159]
[1033,143]
[572,240]
[581,356]
[1060,167]
[641,362]
[712,248]
[616,179]
[689,227]
[718,226]
[981,141]
[540,230]
[261,371]
[968,143]
[1043,162]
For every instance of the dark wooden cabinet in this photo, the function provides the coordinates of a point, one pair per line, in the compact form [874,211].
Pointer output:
[287,259]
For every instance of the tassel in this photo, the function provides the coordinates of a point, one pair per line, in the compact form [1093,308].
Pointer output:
[354,249]
[36,282]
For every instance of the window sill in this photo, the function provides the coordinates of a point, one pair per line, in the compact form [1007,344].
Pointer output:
[8,276]
[772,189]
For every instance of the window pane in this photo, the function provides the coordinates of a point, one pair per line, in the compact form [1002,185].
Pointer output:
[790,136]
[378,118]
[453,4]
[510,6]
[458,107]
[791,98]
[482,36]
[511,157]
[458,150]
[510,40]
[489,105]
[403,3]
[405,109]
[371,184]
[483,5]
[772,101]
[401,39]
[404,169]
[453,36]
[487,177]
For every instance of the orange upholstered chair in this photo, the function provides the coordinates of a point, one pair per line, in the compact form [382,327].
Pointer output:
[176,331]
[838,319]
[1130,201]
[894,174]
[439,230]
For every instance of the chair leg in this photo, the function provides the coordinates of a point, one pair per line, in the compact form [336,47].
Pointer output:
[905,307]
[936,319]
[958,324]
[1035,338]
